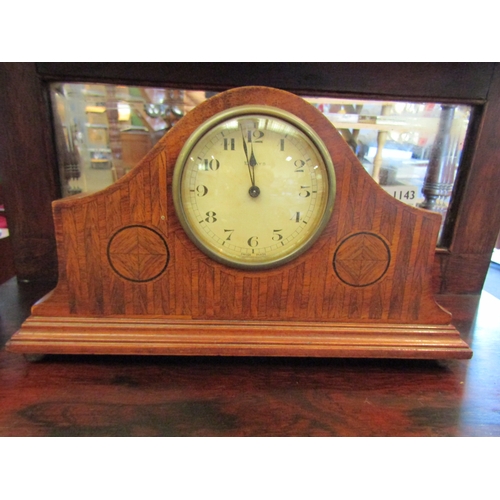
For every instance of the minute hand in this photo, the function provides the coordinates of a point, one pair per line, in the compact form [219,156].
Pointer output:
[250,162]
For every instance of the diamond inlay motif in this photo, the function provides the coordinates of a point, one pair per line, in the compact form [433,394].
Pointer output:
[361,259]
[138,253]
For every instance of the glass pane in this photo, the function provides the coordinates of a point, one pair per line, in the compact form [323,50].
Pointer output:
[412,150]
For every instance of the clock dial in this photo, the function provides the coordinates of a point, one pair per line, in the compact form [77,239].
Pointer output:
[254,187]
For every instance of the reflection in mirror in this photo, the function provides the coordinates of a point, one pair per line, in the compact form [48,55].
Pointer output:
[411,149]
[103,131]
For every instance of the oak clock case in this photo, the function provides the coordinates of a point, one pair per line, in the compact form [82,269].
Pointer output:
[239,252]
[254,187]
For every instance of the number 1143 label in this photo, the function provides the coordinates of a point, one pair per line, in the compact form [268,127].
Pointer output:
[411,195]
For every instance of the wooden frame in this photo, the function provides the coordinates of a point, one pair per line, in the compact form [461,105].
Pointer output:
[29,169]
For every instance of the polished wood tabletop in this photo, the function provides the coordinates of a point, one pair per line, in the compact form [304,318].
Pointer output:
[68,395]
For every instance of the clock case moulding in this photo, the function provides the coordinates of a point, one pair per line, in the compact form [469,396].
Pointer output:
[362,290]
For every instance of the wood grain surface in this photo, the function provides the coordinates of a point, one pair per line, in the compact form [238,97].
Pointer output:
[28,174]
[75,395]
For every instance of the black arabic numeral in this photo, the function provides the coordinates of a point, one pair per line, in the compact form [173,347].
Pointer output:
[305,193]
[277,236]
[255,136]
[210,217]
[201,190]
[253,241]
[299,165]
[212,164]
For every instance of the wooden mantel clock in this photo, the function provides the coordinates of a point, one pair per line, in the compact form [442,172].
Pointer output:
[250,229]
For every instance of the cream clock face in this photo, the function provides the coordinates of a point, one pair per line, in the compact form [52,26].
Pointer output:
[254,187]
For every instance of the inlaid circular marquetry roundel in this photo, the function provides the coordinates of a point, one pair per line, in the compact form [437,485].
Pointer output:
[138,253]
[362,259]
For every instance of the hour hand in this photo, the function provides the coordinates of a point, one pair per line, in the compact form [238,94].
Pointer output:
[252,161]
[254,191]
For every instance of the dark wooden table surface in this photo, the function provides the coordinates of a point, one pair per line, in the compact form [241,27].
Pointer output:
[213,396]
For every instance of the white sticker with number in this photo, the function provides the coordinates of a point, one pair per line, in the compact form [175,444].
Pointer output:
[411,195]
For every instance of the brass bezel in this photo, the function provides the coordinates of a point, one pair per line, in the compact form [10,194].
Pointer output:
[232,113]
